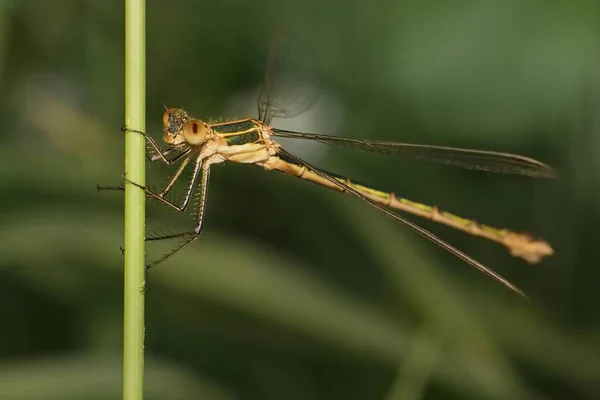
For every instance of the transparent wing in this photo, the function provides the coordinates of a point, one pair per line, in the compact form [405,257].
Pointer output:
[483,160]
[289,88]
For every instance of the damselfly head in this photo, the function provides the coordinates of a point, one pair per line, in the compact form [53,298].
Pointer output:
[173,121]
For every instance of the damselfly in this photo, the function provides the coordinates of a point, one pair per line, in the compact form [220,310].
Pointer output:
[202,144]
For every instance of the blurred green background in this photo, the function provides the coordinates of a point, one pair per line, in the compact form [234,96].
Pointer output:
[294,291]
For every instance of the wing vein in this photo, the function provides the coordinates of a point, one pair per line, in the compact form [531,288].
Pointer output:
[483,160]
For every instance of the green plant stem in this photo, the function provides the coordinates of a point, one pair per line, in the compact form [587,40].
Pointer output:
[135,110]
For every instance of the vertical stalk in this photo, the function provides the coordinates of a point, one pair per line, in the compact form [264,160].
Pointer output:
[135,110]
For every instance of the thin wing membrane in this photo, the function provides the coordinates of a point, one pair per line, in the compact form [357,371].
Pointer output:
[482,160]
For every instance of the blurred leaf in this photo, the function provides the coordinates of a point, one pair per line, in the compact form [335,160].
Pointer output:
[90,377]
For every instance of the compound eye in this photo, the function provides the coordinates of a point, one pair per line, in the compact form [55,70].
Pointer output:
[194,132]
